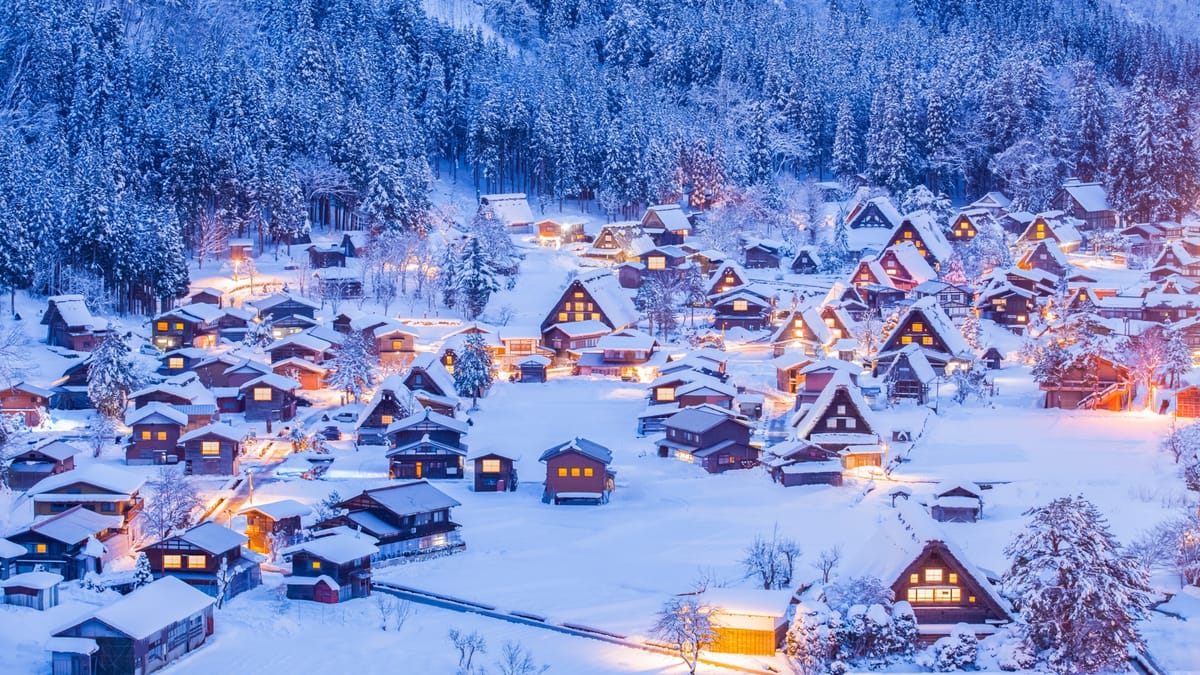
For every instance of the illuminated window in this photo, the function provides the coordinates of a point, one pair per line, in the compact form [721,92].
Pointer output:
[491,466]
[161,326]
[579,307]
[588,472]
[386,419]
[162,435]
[953,578]
[178,326]
[595,316]
[397,345]
[730,281]
[970,598]
[145,435]
[196,562]
[740,305]
[1021,318]
[39,548]
[933,575]
[262,393]
[578,294]
[210,447]
[172,562]
[918,328]
[914,578]
[947,595]
[562,471]
[927,340]
[574,472]
[841,410]
[920,595]
[175,362]
[905,339]
[908,235]
[316,564]
[579,316]
[664,394]
[656,262]
[562,316]
[1041,235]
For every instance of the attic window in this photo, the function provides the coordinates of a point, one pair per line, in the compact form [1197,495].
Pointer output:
[316,564]
[908,235]
[161,435]
[397,345]
[933,575]
[385,419]
[918,328]
[664,394]
[740,306]
[178,325]
[578,294]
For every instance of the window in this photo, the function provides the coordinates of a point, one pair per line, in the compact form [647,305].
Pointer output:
[947,595]
[161,435]
[851,423]
[196,562]
[262,393]
[397,345]
[578,316]
[933,575]
[490,466]
[664,394]
[161,326]
[108,507]
[953,578]
[579,307]
[562,471]
[656,262]
[578,294]
[914,578]
[918,328]
[210,448]
[385,419]
[574,472]
[920,595]
[562,317]
[145,435]
[39,548]
[841,410]
[175,362]
[172,562]
[316,564]
[908,235]
[595,316]
[927,340]
[905,339]
[178,325]
[740,305]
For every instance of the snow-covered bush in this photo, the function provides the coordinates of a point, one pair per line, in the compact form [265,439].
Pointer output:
[958,651]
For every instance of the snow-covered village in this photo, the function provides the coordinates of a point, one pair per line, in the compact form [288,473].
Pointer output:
[664,337]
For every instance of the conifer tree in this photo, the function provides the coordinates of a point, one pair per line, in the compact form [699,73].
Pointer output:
[473,371]
[110,376]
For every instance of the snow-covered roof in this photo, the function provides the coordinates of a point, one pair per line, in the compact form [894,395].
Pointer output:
[429,364]
[428,415]
[582,328]
[281,367]
[213,537]
[57,450]
[1063,226]
[74,525]
[313,581]
[672,216]
[151,608]
[278,510]
[748,601]
[155,409]
[865,240]
[710,383]
[407,499]
[806,421]
[909,257]
[392,327]
[32,389]
[695,421]
[628,339]
[304,339]
[791,359]
[73,310]
[926,225]
[1049,247]
[266,303]
[603,287]
[941,325]
[581,445]
[216,429]
[875,269]
[103,476]
[272,380]
[991,200]
[184,385]
[1090,196]
[511,208]
[536,359]
[917,361]
[336,548]
[72,645]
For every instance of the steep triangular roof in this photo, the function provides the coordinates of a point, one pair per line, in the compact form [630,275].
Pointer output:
[805,421]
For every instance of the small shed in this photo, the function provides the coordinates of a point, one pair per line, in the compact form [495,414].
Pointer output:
[533,368]
[31,466]
[38,590]
[273,523]
[494,473]
[748,621]
[957,503]
[73,656]
[992,358]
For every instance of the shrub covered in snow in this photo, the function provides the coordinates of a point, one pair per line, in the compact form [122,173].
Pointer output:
[958,651]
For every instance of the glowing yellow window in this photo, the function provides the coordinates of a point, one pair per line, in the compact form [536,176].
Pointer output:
[145,435]
[730,281]
[562,471]
[491,466]
[161,326]
[562,317]
[906,339]
[927,340]
[579,316]
[262,393]
[385,419]
[316,564]
[740,305]
[953,578]
[161,435]
[920,595]
[39,548]
[656,262]
[918,328]
[196,562]
[579,307]
[908,235]
[970,598]
[578,294]
[1041,235]
[210,447]
[914,578]
[933,575]
[172,562]
[664,394]
[588,472]
[175,362]
[947,595]
[574,472]
[397,345]
[178,326]
[595,316]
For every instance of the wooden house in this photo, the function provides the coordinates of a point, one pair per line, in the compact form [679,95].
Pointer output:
[311,376]
[426,444]
[707,360]
[666,224]
[393,344]
[922,231]
[156,428]
[1048,257]
[956,503]
[992,358]
[839,321]
[806,261]
[801,462]
[909,376]
[619,242]
[331,568]
[214,450]
[1144,240]
[625,354]
[578,471]
[1006,304]
[206,296]
[589,299]
[9,553]
[70,390]
[869,223]
[840,420]
[188,326]
[67,543]
[196,556]
[240,249]
[905,266]
[1091,382]
[285,313]
[728,277]
[139,633]
[664,259]
[631,274]
[321,256]
[354,244]
[511,209]
[926,325]
[100,488]
[956,301]
[28,467]
[1087,202]
[182,360]
[300,346]
[714,441]
[494,473]
[532,369]
[762,254]
[708,259]
[787,370]
[869,272]
[1178,257]
[391,401]
[70,324]
[407,519]
[749,621]
[270,397]
[1053,225]
[233,323]
[25,401]
[992,203]
[741,308]
[274,524]
[966,224]
[432,385]
[36,590]
[812,378]
[802,329]
[183,392]
[560,231]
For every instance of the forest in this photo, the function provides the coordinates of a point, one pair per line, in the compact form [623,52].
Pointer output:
[140,133]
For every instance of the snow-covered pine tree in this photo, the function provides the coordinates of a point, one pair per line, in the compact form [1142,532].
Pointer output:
[448,276]
[353,367]
[1078,593]
[477,280]
[1089,121]
[142,574]
[807,642]
[110,376]
[845,143]
[473,370]
[1177,356]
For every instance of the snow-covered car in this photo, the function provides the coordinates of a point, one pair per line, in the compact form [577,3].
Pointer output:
[345,416]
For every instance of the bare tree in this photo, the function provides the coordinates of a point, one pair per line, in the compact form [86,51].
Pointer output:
[686,625]
[212,237]
[827,561]
[172,501]
[772,561]
[224,578]
[515,660]
[384,604]
[467,645]
[14,354]
[100,434]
